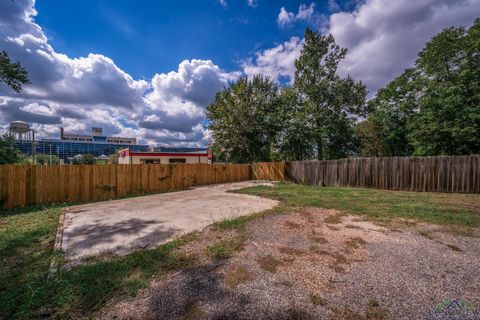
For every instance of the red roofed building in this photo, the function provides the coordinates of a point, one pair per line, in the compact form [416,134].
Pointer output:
[126,156]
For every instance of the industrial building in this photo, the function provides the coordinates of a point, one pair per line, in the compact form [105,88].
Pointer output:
[71,145]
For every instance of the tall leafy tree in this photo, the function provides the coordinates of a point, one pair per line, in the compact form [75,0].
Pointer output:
[433,108]
[448,119]
[385,131]
[12,73]
[331,103]
[244,120]
[295,140]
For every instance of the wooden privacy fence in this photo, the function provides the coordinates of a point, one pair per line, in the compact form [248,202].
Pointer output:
[268,171]
[434,174]
[22,185]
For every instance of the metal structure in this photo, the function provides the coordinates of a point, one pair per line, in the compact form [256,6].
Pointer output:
[21,132]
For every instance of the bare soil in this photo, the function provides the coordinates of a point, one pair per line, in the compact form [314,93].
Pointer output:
[315,264]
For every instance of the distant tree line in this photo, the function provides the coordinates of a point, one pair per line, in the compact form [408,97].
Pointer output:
[433,108]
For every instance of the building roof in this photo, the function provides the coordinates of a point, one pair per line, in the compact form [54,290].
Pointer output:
[127,152]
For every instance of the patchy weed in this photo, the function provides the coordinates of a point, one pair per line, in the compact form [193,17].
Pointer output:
[269,263]
[224,249]
[237,276]
[290,251]
[354,243]
[334,218]
[192,311]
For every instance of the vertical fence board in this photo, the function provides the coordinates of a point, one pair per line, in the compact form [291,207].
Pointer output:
[22,185]
[433,174]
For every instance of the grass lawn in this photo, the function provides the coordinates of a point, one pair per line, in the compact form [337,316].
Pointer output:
[458,211]
[27,291]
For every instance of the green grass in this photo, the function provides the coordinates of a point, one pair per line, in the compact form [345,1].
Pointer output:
[224,249]
[27,236]
[242,221]
[462,210]
[27,291]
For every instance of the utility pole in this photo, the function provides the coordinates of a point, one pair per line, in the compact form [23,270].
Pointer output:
[33,147]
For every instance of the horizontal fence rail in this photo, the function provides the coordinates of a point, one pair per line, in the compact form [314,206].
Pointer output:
[22,185]
[433,174]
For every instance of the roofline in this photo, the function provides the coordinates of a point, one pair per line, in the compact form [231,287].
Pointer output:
[92,142]
[166,154]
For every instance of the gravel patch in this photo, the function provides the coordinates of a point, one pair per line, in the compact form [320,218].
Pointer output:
[316,264]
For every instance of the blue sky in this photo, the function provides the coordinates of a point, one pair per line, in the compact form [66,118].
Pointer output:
[155,36]
[148,69]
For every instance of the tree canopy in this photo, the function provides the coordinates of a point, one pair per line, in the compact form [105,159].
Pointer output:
[433,108]
[8,153]
[12,73]
[256,120]
[244,120]
[330,103]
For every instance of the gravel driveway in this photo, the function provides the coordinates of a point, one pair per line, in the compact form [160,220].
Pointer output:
[122,226]
[317,264]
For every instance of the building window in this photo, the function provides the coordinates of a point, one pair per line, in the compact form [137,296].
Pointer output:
[150,161]
[177,160]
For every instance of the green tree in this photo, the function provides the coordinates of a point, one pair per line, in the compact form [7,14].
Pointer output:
[84,159]
[244,120]
[433,108]
[448,119]
[43,159]
[295,140]
[8,153]
[330,102]
[385,131]
[12,73]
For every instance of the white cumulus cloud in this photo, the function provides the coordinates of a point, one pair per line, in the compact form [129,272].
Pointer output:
[277,62]
[80,92]
[383,37]
[305,13]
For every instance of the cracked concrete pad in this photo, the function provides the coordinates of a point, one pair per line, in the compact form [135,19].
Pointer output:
[125,225]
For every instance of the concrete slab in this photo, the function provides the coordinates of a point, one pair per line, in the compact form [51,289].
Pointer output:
[122,226]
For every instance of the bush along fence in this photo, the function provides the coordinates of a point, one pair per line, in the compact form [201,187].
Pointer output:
[22,185]
[432,174]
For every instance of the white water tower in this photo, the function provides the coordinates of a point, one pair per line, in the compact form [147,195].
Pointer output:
[20,130]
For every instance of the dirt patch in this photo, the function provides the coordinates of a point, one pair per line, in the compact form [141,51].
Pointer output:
[295,266]
[269,263]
